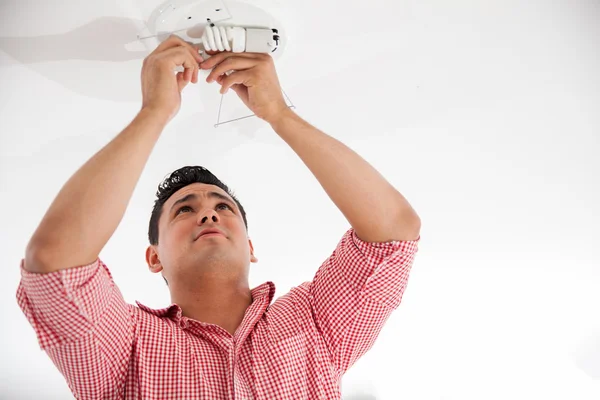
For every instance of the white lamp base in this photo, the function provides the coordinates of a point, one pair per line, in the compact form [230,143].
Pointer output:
[188,19]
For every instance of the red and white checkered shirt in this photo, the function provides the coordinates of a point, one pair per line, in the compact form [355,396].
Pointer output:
[296,348]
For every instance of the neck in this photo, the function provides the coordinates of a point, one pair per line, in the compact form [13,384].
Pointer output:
[217,303]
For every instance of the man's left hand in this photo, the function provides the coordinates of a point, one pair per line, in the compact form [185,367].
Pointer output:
[254,80]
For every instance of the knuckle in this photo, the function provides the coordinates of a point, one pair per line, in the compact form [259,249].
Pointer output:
[227,62]
[181,51]
[148,60]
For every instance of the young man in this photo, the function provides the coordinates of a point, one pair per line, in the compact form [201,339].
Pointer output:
[218,339]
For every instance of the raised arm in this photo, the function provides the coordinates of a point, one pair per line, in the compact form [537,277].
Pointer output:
[90,206]
[66,292]
[374,208]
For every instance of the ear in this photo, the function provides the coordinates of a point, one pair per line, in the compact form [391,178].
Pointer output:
[152,260]
[252,258]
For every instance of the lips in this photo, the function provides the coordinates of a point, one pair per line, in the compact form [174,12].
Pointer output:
[212,234]
[207,231]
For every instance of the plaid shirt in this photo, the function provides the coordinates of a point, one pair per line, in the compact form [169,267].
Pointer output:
[296,348]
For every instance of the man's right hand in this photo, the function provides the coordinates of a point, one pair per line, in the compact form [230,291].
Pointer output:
[161,88]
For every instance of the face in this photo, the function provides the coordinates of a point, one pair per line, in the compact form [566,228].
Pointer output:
[181,254]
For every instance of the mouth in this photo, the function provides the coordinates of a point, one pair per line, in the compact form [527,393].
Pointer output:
[210,234]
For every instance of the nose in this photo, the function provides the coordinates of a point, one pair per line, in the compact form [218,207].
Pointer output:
[211,214]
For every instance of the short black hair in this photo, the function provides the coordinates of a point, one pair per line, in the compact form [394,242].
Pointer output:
[179,179]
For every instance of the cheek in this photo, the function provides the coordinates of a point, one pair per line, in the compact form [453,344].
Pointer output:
[175,237]
[180,237]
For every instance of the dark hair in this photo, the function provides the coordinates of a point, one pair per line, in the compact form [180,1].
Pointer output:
[179,179]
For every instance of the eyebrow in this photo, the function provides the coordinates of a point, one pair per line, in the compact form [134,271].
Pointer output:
[193,197]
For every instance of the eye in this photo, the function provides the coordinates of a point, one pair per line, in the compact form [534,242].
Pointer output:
[225,204]
[177,213]
[220,204]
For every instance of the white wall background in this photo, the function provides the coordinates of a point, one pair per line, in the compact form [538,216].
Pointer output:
[484,115]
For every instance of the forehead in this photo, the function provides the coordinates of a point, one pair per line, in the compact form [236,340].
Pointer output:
[199,189]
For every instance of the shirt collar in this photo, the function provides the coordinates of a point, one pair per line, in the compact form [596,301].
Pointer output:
[263,293]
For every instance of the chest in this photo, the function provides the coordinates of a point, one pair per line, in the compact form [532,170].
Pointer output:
[171,363]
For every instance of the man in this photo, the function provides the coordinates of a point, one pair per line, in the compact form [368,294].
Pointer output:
[218,339]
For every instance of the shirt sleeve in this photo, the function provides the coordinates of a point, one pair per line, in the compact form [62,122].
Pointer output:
[354,292]
[84,325]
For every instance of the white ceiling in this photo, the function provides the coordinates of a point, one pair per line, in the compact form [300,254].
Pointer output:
[484,115]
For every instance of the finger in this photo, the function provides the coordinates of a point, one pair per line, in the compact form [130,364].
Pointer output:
[174,41]
[240,78]
[218,58]
[190,69]
[190,74]
[232,63]
[179,56]
[181,83]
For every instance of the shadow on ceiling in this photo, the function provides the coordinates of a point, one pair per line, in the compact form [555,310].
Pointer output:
[106,73]
[102,41]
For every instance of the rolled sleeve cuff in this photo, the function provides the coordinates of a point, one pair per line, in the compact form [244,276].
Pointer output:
[64,305]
